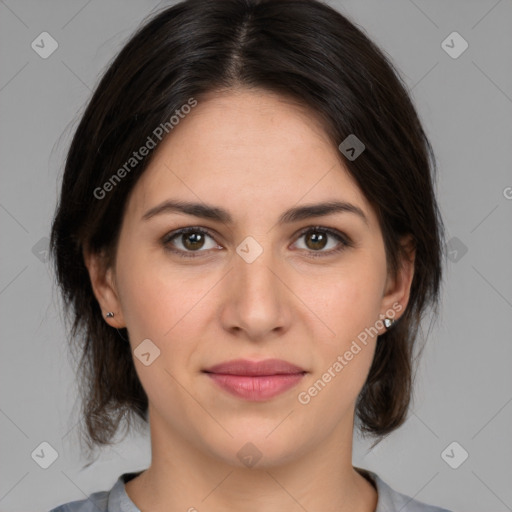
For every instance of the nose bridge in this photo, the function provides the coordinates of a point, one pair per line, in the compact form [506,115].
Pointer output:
[255,266]
[256,299]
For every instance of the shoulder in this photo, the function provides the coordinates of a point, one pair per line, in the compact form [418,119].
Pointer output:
[96,502]
[390,500]
[113,500]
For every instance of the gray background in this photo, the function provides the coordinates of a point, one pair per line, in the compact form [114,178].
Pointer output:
[464,386]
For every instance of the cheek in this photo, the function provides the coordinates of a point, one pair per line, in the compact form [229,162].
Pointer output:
[350,301]
[350,307]
[164,306]
[159,301]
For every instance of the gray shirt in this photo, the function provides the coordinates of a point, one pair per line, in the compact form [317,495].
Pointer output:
[116,500]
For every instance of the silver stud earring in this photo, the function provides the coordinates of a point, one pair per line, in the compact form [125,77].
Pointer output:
[109,315]
[388,322]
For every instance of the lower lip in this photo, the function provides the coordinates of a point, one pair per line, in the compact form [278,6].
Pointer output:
[256,388]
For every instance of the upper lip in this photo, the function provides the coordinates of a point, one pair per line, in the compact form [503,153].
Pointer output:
[255,368]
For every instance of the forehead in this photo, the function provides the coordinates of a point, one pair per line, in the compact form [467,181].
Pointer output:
[248,150]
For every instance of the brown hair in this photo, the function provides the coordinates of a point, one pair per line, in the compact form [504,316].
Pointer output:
[302,49]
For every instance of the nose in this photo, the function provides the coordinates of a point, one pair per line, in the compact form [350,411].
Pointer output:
[256,300]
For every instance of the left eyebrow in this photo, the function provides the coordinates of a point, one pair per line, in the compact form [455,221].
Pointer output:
[291,215]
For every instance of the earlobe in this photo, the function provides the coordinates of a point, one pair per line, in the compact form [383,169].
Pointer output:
[104,288]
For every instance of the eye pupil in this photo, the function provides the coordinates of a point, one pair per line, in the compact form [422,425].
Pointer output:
[317,238]
[193,240]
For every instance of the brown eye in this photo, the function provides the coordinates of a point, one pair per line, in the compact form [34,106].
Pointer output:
[187,241]
[192,241]
[316,239]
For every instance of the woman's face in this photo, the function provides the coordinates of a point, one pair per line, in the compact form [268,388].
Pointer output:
[257,286]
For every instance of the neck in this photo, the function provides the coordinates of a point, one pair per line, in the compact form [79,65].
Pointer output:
[185,477]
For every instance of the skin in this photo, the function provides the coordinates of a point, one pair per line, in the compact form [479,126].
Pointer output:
[255,154]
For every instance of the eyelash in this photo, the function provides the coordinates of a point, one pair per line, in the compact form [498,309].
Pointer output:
[345,241]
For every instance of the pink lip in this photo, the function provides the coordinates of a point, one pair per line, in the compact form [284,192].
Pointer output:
[255,368]
[256,381]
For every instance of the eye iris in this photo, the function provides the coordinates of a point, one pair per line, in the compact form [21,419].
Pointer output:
[193,240]
[316,238]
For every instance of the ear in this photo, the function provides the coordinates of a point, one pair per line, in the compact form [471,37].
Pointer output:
[104,287]
[397,290]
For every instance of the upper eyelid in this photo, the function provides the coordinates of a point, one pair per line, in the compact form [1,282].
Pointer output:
[343,238]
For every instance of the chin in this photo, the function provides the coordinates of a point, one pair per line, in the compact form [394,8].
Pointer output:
[256,449]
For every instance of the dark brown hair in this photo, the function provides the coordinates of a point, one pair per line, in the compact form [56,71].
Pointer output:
[301,49]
